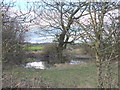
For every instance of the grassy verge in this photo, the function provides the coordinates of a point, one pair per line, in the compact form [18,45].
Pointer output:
[70,76]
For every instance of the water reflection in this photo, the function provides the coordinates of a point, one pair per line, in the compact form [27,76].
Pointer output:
[76,62]
[36,65]
[44,65]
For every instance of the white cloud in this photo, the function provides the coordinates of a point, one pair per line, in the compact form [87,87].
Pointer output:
[42,38]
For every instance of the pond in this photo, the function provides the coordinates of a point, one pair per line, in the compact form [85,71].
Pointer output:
[76,62]
[36,65]
[44,65]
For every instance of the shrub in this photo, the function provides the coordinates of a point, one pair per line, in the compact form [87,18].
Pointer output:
[50,53]
[50,49]
[12,39]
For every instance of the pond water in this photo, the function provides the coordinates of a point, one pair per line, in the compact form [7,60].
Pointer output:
[43,65]
[36,65]
[77,62]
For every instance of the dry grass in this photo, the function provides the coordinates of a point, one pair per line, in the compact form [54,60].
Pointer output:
[61,76]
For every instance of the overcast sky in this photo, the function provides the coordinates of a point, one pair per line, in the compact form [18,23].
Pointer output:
[32,36]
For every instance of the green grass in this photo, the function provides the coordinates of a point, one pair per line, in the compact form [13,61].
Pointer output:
[33,48]
[67,76]
[70,76]
[74,76]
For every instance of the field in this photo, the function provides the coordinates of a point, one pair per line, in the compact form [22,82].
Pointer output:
[33,48]
[64,76]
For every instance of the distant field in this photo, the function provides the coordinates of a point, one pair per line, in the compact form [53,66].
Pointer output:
[33,48]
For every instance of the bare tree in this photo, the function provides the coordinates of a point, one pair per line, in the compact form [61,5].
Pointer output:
[59,19]
[13,30]
[99,34]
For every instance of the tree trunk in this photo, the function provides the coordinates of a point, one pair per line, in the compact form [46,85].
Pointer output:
[99,71]
[60,55]
[61,46]
[108,74]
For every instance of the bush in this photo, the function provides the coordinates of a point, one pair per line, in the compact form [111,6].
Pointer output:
[50,53]
[50,49]
[12,50]
[12,39]
[87,50]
